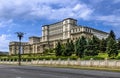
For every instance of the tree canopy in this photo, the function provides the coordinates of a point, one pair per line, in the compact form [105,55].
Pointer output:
[58,49]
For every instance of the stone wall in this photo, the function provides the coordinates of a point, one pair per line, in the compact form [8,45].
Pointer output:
[94,63]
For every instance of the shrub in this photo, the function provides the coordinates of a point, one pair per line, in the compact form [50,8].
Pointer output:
[87,57]
[74,58]
[117,58]
[98,58]
[94,58]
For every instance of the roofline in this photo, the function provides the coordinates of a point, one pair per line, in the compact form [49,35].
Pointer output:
[59,21]
[93,29]
[34,37]
[17,42]
[69,18]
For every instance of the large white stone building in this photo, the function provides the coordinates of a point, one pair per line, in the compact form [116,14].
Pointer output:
[63,30]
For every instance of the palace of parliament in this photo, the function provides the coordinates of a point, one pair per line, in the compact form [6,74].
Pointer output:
[52,33]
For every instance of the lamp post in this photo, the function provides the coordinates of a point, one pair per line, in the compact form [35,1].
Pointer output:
[19,35]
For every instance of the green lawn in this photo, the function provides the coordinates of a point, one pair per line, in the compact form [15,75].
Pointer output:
[104,55]
[100,56]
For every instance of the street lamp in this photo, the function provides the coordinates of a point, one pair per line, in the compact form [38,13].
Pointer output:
[19,35]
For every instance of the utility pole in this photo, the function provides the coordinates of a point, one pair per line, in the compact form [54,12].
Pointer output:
[19,35]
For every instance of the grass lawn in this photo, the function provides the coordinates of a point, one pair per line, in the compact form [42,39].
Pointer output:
[100,56]
[104,55]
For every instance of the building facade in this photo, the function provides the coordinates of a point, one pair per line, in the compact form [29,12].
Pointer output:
[51,34]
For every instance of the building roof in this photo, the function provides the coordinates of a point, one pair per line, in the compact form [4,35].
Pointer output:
[60,21]
[34,37]
[70,18]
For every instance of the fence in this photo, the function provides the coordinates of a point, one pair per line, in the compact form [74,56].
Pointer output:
[78,62]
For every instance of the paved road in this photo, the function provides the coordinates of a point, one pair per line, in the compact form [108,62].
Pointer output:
[9,71]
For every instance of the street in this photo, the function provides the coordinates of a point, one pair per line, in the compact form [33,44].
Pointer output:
[12,71]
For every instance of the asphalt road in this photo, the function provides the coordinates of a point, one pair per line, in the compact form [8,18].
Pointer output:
[9,71]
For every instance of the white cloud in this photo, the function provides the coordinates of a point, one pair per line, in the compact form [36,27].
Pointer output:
[51,9]
[4,42]
[77,11]
[112,20]
[116,1]
[6,23]
[94,2]
[36,9]
[82,11]
[12,10]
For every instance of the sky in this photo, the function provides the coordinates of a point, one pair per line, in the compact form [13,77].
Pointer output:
[28,16]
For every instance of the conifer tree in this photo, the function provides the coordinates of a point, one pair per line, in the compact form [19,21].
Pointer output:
[58,49]
[80,46]
[67,51]
[118,45]
[112,48]
[92,47]
[103,45]
[77,46]
[72,49]
[96,42]
[111,35]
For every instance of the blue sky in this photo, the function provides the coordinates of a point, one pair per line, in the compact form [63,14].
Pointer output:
[29,15]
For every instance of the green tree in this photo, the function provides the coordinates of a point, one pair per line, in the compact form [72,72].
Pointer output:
[72,49]
[112,48]
[58,49]
[118,43]
[111,35]
[103,45]
[69,48]
[112,45]
[67,51]
[96,42]
[92,47]
[80,46]
[77,46]
[46,51]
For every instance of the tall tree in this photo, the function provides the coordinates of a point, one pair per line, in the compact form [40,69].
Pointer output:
[80,46]
[77,46]
[68,49]
[96,42]
[112,48]
[58,49]
[118,43]
[111,35]
[72,46]
[92,47]
[103,45]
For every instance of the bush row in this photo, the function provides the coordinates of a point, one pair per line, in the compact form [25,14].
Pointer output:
[53,58]
[40,58]
[56,58]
